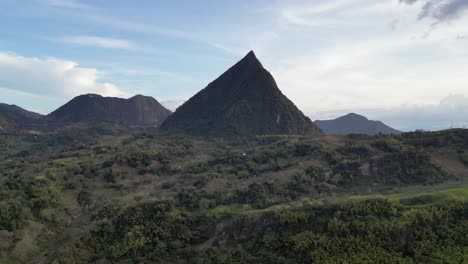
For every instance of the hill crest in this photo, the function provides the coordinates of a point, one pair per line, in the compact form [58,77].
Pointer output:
[93,108]
[353,123]
[13,117]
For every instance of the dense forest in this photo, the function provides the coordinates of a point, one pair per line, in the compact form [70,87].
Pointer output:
[106,194]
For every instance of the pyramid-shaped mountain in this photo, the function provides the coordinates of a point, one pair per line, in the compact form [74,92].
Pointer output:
[244,100]
[354,124]
[93,109]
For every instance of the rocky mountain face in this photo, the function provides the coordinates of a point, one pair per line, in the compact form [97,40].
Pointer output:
[244,100]
[92,109]
[12,117]
[354,124]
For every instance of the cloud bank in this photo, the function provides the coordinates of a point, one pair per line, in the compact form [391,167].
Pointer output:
[51,77]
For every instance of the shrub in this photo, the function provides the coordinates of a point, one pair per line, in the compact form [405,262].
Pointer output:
[11,215]
[84,199]
[409,166]
[258,195]
[45,194]
[38,194]
[147,230]
[110,176]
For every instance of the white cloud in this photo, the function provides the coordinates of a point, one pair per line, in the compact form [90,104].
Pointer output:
[51,77]
[364,64]
[328,55]
[102,42]
[371,75]
[131,26]
[337,13]
[313,15]
[72,4]
[97,16]
[137,27]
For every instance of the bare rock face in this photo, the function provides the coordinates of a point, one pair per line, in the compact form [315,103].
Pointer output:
[244,100]
[354,124]
[93,109]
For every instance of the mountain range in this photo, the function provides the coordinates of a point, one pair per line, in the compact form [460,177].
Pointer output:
[354,124]
[244,100]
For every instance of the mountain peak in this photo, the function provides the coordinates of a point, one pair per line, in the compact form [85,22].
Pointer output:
[354,116]
[251,56]
[244,100]
[139,97]
[90,95]
[92,108]
[250,53]
[18,111]
[249,62]
[353,123]
[14,117]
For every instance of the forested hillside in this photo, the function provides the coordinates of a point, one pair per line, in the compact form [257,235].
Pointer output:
[108,194]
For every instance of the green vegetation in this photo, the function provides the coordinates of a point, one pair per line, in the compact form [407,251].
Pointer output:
[112,195]
[411,166]
[464,157]
[20,193]
[358,231]
[138,230]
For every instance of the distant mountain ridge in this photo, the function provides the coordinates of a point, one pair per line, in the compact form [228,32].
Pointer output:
[92,109]
[13,117]
[244,100]
[354,124]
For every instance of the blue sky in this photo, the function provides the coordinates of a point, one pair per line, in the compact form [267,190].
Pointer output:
[401,61]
